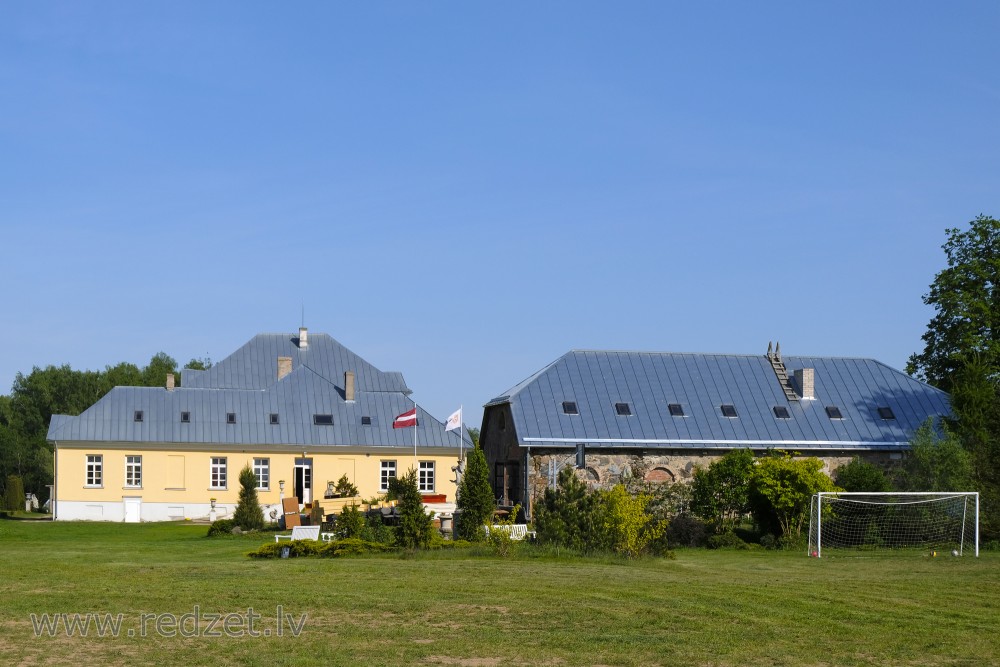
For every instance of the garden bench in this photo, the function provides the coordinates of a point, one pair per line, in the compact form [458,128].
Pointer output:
[518,531]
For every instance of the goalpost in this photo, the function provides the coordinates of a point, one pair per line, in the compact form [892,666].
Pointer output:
[894,522]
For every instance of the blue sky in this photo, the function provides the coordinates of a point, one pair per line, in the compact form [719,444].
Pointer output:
[465,191]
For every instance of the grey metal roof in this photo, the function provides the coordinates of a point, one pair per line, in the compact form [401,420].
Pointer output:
[701,383]
[315,386]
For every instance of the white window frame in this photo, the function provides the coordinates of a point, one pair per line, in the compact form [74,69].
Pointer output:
[425,478]
[262,471]
[94,478]
[133,471]
[387,471]
[218,472]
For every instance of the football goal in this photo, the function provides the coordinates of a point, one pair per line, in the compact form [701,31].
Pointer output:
[941,524]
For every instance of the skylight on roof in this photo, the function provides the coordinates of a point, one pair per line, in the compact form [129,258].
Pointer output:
[623,409]
[366,421]
[274,418]
[886,413]
[323,420]
[138,415]
[230,417]
[781,412]
[185,417]
[728,410]
[833,412]
[569,408]
[676,409]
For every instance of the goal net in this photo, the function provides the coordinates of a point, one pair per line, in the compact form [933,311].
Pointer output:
[941,524]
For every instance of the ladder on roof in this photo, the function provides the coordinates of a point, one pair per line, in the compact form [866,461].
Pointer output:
[779,370]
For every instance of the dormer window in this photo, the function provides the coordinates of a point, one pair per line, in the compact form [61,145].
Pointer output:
[728,411]
[138,415]
[623,409]
[833,412]
[676,409]
[569,408]
[886,413]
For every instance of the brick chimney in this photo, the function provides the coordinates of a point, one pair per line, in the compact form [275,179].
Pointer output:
[349,385]
[805,383]
[284,366]
[170,381]
[303,338]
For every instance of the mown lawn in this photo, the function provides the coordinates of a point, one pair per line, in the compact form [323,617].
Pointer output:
[704,608]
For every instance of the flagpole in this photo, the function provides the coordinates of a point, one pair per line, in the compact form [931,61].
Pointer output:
[461,440]
[416,421]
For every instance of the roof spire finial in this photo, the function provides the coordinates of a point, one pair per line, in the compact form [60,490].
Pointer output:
[777,350]
[770,349]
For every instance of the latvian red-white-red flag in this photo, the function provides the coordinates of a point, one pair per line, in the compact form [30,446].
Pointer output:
[405,420]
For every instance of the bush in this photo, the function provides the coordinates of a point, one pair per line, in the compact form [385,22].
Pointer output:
[727,540]
[569,516]
[14,494]
[629,527]
[375,530]
[221,527]
[307,548]
[859,475]
[687,530]
[248,514]
[500,540]
[350,523]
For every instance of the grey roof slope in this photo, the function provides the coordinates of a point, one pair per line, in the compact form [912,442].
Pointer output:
[254,365]
[700,383]
[295,399]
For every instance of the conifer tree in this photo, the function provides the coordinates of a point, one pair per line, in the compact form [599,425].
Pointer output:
[248,514]
[415,525]
[475,497]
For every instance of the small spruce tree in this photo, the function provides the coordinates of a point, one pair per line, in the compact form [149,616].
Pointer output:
[415,525]
[248,514]
[475,497]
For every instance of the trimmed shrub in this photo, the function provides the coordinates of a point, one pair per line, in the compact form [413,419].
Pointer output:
[221,527]
[14,494]
[312,548]
[344,488]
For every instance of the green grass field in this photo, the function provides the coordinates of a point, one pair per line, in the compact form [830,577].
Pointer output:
[458,608]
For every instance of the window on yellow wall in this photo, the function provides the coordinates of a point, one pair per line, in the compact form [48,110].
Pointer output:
[218,472]
[388,472]
[133,471]
[262,470]
[425,481]
[95,470]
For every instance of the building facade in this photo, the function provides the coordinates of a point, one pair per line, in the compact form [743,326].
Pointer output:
[300,410]
[611,415]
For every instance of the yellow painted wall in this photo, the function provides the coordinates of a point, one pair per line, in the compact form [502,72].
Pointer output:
[162,468]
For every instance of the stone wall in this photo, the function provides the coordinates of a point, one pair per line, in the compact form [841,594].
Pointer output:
[607,467]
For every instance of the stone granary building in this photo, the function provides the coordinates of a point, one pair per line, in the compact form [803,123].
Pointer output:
[661,415]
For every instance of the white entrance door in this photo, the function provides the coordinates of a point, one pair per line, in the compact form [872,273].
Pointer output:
[133,507]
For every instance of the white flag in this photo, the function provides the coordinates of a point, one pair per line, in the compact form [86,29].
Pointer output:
[455,421]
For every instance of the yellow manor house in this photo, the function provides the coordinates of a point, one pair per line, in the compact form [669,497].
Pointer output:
[300,410]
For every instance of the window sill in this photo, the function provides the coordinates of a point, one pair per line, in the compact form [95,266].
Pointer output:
[93,486]
[131,488]
[174,488]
